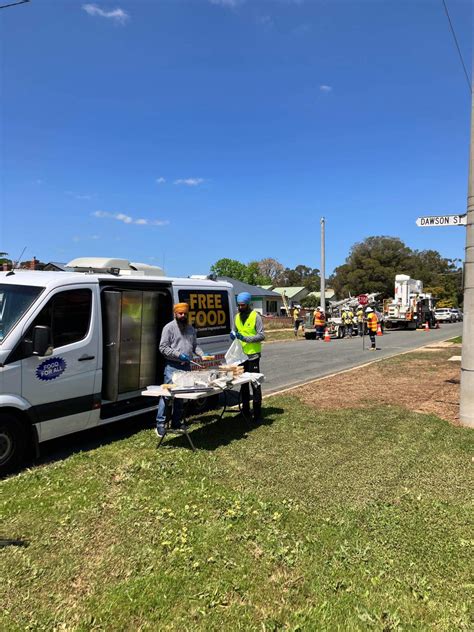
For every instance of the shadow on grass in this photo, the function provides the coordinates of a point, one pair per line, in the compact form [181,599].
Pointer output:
[215,432]
[86,440]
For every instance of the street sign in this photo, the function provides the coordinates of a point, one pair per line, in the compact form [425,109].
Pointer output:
[442,220]
[363,300]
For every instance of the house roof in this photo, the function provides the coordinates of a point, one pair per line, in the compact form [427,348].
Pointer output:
[55,265]
[290,292]
[329,293]
[254,290]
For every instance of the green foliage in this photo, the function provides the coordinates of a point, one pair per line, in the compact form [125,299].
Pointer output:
[247,273]
[4,258]
[310,301]
[301,275]
[373,264]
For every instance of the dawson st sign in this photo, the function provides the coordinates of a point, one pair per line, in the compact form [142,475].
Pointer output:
[442,220]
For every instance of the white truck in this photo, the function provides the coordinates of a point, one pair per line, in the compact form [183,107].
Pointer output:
[78,347]
[410,308]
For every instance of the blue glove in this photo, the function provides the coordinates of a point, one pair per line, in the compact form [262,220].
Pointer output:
[232,335]
[184,358]
[239,336]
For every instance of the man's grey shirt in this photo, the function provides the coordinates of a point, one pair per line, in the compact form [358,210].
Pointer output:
[176,340]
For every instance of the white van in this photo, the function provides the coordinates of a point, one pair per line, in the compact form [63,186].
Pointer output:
[78,347]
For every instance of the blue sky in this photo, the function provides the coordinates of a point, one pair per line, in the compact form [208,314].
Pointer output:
[181,132]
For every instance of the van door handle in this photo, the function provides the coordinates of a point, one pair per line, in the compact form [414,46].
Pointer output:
[85,357]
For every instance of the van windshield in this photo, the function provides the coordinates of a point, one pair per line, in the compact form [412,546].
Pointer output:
[14,302]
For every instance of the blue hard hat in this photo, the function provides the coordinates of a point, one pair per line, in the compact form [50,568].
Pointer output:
[244,297]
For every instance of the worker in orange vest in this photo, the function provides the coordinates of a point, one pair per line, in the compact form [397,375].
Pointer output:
[319,322]
[372,321]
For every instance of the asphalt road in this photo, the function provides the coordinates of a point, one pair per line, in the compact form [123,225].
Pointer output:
[287,364]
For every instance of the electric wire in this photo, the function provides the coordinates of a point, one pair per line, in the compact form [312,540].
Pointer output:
[13,4]
[457,45]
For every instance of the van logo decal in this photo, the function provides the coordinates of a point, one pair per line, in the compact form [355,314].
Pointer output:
[50,369]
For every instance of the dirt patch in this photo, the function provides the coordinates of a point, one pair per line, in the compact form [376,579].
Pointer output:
[422,381]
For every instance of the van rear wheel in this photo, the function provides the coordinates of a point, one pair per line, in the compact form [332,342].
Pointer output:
[12,443]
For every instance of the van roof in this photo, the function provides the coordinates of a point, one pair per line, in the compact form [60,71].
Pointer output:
[52,278]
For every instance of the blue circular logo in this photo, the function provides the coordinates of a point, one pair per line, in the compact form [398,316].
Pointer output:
[50,369]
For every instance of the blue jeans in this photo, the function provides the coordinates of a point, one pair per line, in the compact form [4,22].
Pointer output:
[166,401]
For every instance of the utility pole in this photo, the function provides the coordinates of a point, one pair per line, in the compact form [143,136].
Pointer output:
[467,363]
[323,269]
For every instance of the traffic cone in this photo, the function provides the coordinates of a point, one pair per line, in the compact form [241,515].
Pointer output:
[327,337]
[427,327]
[379,330]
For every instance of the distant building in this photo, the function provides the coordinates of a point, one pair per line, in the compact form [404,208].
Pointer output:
[294,294]
[264,302]
[329,294]
[54,266]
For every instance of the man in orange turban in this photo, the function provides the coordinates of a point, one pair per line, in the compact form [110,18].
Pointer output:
[178,344]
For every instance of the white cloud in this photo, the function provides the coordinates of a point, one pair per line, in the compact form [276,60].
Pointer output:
[117,15]
[189,182]
[266,21]
[160,180]
[79,196]
[76,238]
[230,4]
[127,219]
[324,88]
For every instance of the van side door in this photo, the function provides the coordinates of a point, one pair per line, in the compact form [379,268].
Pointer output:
[60,387]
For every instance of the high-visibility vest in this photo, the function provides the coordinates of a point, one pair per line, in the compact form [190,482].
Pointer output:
[372,321]
[319,319]
[360,315]
[248,329]
[296,314]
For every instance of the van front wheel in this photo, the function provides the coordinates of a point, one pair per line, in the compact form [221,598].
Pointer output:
[12,443]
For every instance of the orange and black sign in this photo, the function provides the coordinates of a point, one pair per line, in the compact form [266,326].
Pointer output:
[208,311]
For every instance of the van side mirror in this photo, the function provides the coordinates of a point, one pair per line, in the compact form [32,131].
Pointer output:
[42,341]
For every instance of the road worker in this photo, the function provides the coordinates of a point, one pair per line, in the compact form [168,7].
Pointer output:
[360,320]
[372,321]
[349,322]
[319,322]
[297,320]
[249,330]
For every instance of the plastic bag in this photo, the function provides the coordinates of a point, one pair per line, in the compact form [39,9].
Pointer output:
[235,353]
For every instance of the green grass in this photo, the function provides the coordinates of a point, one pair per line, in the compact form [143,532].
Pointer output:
[283,334]
[349,520]
[457,340]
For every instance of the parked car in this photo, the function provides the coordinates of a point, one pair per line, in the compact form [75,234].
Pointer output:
[457,313]
[444,315]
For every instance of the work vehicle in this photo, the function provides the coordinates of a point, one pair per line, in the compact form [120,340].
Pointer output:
[445,315]
[78,347]
[411,307]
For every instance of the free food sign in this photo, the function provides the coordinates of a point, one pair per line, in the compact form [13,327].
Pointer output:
[208,311]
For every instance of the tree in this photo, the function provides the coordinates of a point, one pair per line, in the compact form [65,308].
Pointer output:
[271,269]
[371,267]
[4,258]
[230,268]
[373,264]
[301,275]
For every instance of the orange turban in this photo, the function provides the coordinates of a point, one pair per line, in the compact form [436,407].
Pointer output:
[181,307]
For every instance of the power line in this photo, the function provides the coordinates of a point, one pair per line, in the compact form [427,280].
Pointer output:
[13,4]
[457,46]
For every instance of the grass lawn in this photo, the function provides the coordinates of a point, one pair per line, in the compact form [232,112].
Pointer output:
[282,334]
[342,520]
[457,340]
